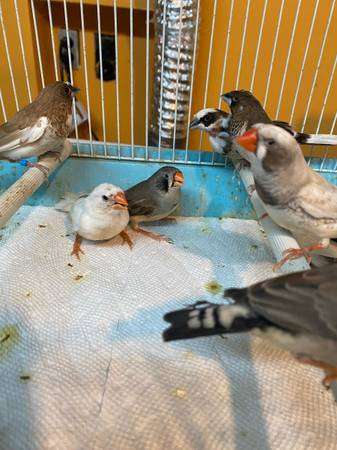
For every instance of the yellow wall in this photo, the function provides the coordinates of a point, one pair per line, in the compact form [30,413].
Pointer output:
[9,17]
[220,39]
[267,41]
[107,21]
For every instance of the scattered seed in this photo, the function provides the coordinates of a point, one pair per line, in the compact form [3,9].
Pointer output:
[25,377]
[5,338]
[78,277]
[180,393]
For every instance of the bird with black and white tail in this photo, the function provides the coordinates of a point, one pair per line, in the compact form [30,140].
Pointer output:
[297,312]
[246,110]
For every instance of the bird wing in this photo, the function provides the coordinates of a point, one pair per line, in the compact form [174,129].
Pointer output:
[318,198]
[284,125]
[302,302]
[141,199]
[69,200]
[12,137]
[140,207]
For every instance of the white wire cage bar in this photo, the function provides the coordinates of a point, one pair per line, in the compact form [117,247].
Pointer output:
[239,64]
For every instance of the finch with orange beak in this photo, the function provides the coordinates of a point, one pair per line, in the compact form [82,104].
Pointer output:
[295,197]
[99,216]
[155,199]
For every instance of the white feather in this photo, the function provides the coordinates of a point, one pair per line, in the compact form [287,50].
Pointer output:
[69,200]
[323,139]
[96,219]
[25,136]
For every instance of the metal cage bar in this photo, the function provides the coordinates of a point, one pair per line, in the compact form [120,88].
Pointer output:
[258,44]
[51,28]
[161,80]
[117,79]
[3,109]
[9,61]
[147,79]
[71,70]
[192,81]
[37,41]
[271,66]
[243,40]
[132,84]
[285,73]
[177,83]
[22,47]
[99,31]
[209,61]
[86,78]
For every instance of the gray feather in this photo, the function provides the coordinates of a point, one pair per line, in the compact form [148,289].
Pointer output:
[302,303]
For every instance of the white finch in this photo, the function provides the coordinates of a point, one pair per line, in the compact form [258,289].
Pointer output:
[99,216]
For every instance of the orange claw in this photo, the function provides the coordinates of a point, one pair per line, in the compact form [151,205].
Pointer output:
[155,236]
[331,371]
[126,238]
[264,216]
[294,253]
[77,247]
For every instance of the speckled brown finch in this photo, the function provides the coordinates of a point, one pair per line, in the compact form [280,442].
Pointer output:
[40,127]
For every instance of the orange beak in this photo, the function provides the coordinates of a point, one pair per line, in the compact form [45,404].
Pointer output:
[120,199]
[179,177]
[248,140]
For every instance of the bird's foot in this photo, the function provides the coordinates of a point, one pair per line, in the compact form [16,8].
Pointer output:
[240,163]
[126,239]
[331,371]
[294,253]
[155,236]
[251,189]
[77,247]
[264,216]
[44,169]
[58,156]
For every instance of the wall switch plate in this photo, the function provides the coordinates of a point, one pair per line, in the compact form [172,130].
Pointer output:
[74,45]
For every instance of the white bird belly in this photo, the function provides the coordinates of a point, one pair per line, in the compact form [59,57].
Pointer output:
[302,224]
[99,228]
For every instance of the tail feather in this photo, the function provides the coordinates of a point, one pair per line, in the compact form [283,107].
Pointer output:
[70,198]
[208,319]
[304,138]
[316,139]
[285,126]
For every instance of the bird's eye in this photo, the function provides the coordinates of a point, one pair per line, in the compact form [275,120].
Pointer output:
[271,142]
[207,120]
[105,198]
[166,176]
[235,99]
